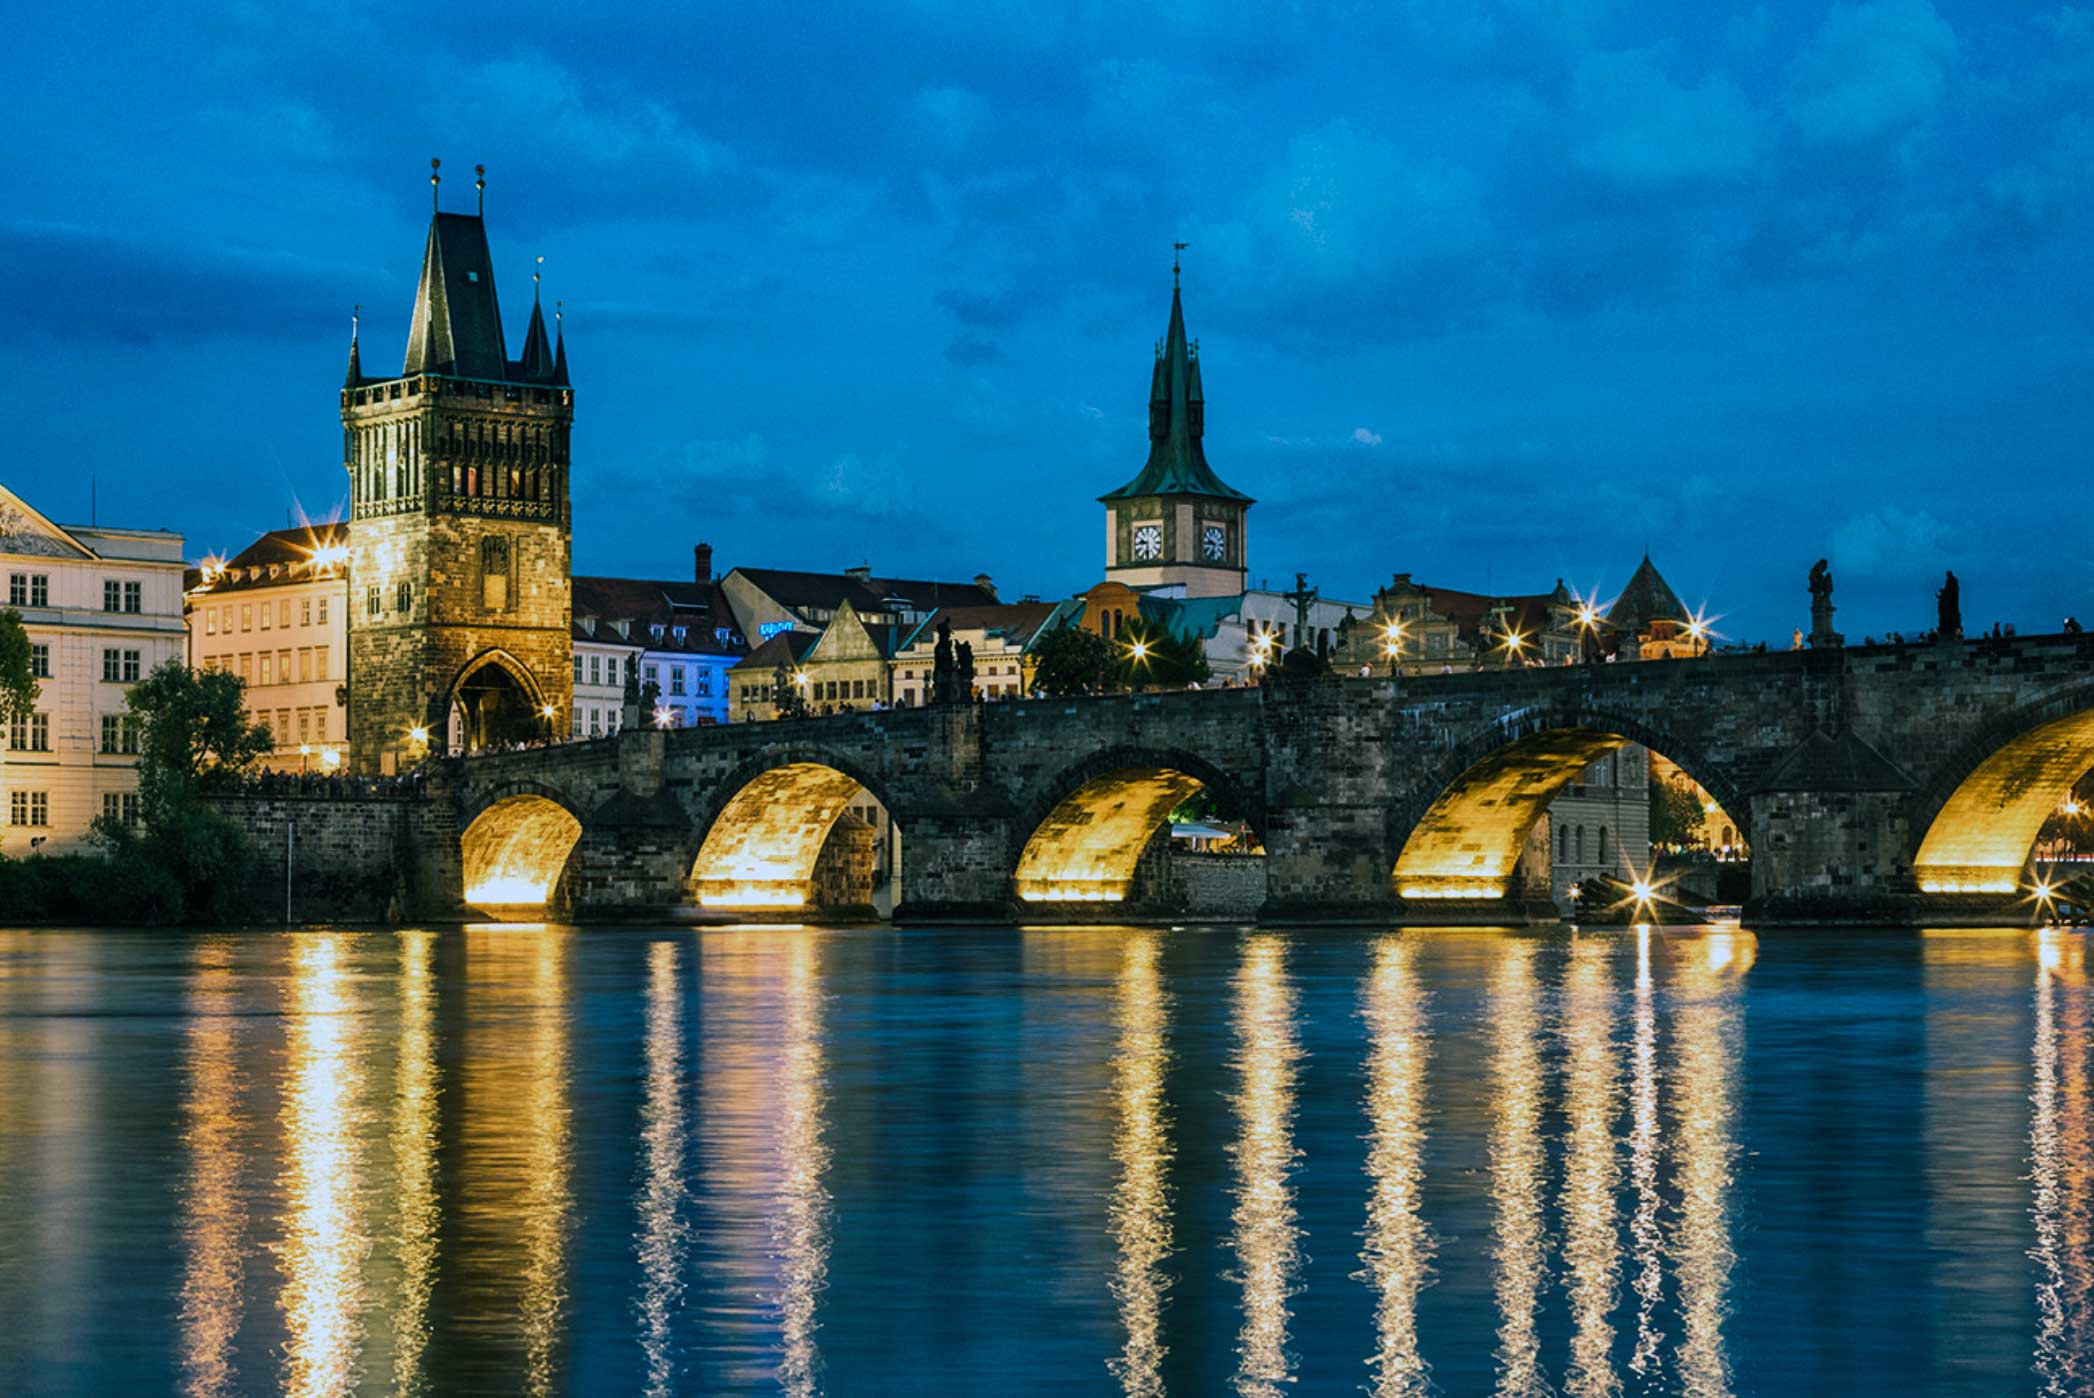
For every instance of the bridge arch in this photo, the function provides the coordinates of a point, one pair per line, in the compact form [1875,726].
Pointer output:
[516,843]
[1976,823]
[767,825]
[1086,831]
[1464,837]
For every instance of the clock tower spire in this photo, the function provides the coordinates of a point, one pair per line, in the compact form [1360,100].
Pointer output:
[1176,525]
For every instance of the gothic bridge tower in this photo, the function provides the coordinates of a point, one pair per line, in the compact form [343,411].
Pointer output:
[459,540]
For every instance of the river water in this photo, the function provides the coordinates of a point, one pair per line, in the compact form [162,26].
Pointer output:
[1088,1161]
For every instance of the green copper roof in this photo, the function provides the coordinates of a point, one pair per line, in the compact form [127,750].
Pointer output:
[1177,464]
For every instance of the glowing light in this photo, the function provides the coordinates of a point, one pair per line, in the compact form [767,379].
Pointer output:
[755,898]
[800,678]
[214,1212]
[2071,807]
[762,847]
[546,711]
[1086,848]
[1140,1212]
[1588,616]
[414,1160]
[1591,1242]
[305,749]
[1513,641]
[508,891]
[330,758]
[664,1232]
[1453,888]
[1266,1236]
[1518,1159]
[418,734]
[1642,891]
[1139,651]
[664,717]
[1398,1250]
[329,557]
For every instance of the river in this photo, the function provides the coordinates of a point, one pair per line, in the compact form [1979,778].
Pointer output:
[1193,1162]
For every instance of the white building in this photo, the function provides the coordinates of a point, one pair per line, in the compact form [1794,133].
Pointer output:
[102,607]
[276,615]
[678,636]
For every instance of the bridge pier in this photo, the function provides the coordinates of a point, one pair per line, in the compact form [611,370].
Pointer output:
[1328,765]
[1829,834]
[956,865]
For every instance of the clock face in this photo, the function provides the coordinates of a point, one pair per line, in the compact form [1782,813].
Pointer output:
[1148,541]
[1214,543]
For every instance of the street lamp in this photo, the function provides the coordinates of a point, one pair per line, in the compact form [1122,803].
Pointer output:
[305,750]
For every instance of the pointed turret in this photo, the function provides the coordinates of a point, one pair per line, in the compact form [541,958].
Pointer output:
[457,326]
[538,351]
[355,375]
[1646,599]
[559,348]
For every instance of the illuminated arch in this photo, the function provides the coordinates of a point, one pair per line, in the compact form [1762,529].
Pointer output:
[1982,816]
[530,698]
[769,825]
[516,846]
[1467,841]
[1088,832]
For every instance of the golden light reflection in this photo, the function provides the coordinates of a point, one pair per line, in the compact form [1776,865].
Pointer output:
[325,1242]
[545,1210]
[1140,1214]
[2061,1165]
[800,1222]
[1644,1231]
[214,1206]
[664,1231]
[1706,1030]
[1398,1251]
[1517,1160]
[414,1137]
[1265,1237]
[1591,1240]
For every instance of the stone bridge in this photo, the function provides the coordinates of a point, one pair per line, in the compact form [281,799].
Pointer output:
[1880,782]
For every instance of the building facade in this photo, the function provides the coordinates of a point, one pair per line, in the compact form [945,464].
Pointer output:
[679,637]
[102,607]
[276,615]
[459,539]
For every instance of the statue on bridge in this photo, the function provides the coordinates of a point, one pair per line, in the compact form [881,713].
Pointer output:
[952,670]
[630,714]
[1822,636]
[1948,606]
[963,668]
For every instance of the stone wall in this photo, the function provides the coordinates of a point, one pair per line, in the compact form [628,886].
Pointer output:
[1222,887]
[353,859]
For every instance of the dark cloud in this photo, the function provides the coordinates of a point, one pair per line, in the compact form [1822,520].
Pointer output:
[971,350]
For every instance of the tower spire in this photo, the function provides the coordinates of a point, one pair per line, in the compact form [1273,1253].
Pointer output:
[560,343]
[480,187]
[356,363]
[434,181]
[538,354]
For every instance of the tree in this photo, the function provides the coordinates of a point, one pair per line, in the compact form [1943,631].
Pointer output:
[1070,660]
[788,695]
[17,675]
[1151,655]
[1675,814]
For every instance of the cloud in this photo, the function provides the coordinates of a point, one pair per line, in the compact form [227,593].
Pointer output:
[1873,71]
[985,310]
[1366,438]
[971,350]
[1641,127]
[1892,542]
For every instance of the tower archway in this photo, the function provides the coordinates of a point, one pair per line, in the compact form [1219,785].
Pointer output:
[494,702]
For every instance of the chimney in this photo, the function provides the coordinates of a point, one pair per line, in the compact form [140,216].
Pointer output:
[702,562]
[986,584]
[862,573]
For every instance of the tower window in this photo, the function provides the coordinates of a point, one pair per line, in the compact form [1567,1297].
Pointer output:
[494,573]
[404,601]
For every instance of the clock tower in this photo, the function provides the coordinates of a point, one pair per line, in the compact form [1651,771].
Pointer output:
[1176,525]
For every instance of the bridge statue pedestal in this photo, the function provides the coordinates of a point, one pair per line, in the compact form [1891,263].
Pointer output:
[1327,853]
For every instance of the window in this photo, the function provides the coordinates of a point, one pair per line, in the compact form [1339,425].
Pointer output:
[577,718]
[31,733]
[40,660]
[225,618]
[112,595]
[596,669]
[283,723]
[610,670]
[134,597]
[247,616]
[110,735]
[112,665]
[120,806]
[578,673]
[676,679]
[323,611]
[305,611]
[702,681]
[130,667]
[494,573]
[17,589]
[595,721]
[305,725]
[268,667]
[404,601]
[210,621]
[30,808]
[371,600]
[650,674]
[283,667]
[1603,844]
[246,666]
[319,662]
[268,614]
[283,608]
[120,734]
[305,663]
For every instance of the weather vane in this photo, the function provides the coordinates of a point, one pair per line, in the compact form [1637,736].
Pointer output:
[534,276]
[480,185]
[434,179]
[1176,248]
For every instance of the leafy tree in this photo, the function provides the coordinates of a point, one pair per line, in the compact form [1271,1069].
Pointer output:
[1070,660]
[788,695]
[1151,655]
[17,678]
[1675,813]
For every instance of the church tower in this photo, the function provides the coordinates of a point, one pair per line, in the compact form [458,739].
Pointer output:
[1176,525]
[459,536]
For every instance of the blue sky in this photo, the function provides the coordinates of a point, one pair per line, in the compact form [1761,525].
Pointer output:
[1488,293]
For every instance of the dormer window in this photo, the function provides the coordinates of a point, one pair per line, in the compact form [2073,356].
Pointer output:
[678,633]
[654,632]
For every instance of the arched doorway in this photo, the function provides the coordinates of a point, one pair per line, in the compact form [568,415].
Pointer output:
[495,703]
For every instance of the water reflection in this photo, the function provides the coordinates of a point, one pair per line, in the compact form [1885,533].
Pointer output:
[663,1234]
[2061,1178]
[325,1239]
[1141,1205]
[1591,1242]
[546,1205]
[214,1209]
[1517,1162]
[1706,1033]
[1645,1235]
[1266,1239]
[800,1228]
[414,1135]
[1398,1251]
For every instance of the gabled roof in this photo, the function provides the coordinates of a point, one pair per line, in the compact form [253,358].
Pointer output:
[644,604]
[783,648]
[457,326]
[1646,599]
[1017,622]
[1177,462]
[24,529]
[799,591]
[289,550]
[1471,612]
